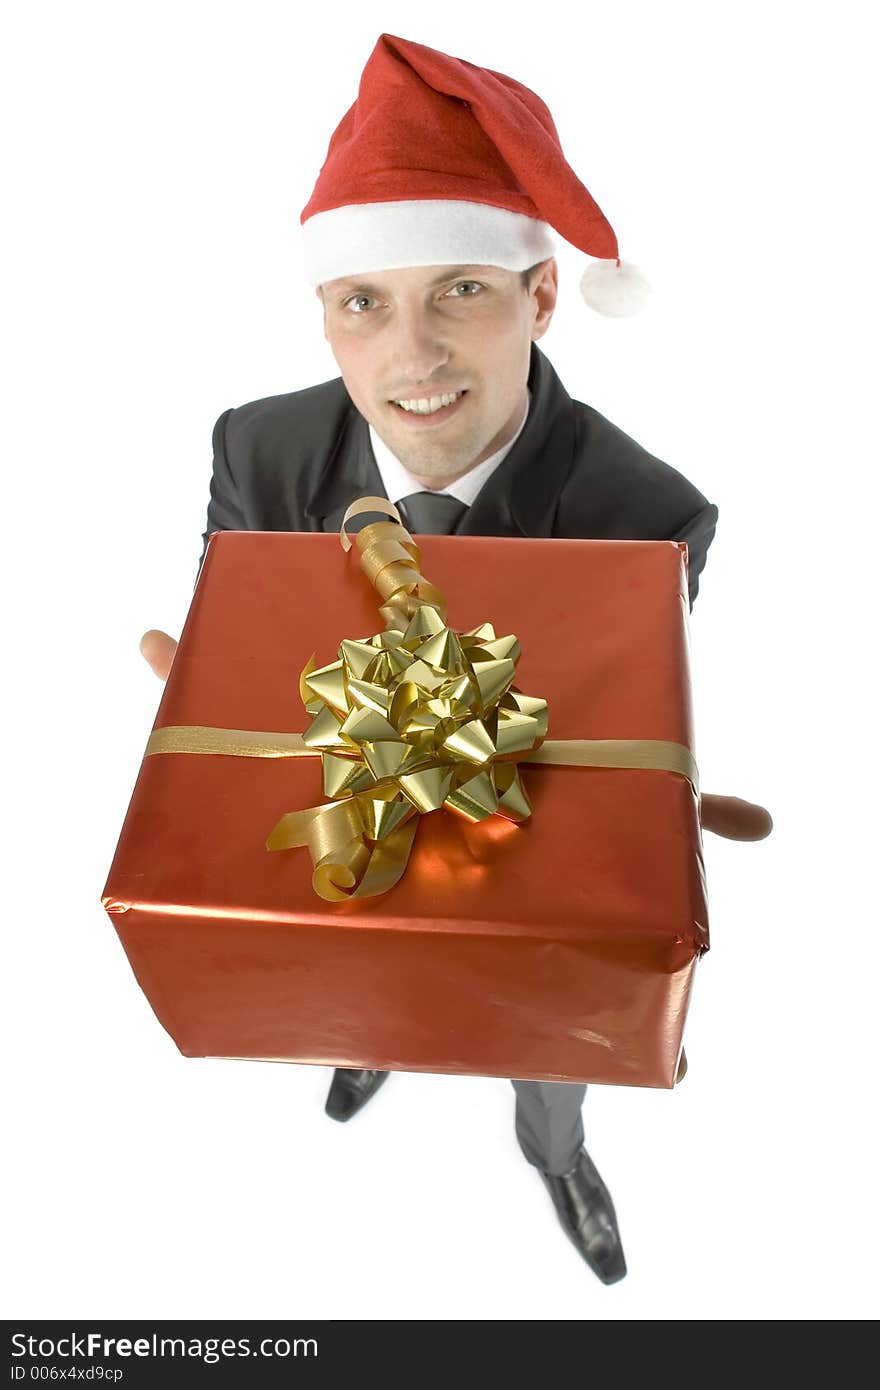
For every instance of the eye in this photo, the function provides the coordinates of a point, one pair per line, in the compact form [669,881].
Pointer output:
[472,283]
[356,299]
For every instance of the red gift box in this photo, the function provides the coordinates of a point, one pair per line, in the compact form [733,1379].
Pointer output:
[562,948]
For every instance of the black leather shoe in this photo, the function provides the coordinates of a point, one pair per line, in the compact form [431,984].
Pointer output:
[584,1207]
[350,1090]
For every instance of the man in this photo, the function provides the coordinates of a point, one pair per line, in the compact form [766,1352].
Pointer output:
[427,240]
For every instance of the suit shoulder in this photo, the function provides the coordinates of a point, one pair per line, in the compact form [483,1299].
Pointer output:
[621,485]
[305,415]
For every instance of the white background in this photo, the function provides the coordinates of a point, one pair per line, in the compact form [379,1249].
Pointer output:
[157,158]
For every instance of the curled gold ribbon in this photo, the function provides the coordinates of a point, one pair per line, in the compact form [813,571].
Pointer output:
[390,559]
[410,720]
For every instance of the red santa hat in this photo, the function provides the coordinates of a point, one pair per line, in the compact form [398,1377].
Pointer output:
[440,162]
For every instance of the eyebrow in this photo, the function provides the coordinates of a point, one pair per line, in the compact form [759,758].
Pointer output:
[364,287]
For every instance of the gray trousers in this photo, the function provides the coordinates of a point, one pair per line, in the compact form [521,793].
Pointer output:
[549,1125]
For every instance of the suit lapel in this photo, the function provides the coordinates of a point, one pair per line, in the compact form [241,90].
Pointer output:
[350,473]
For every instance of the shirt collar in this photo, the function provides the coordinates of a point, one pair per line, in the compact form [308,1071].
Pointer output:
[399,483]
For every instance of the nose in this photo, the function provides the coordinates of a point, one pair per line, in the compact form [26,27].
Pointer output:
[420,348]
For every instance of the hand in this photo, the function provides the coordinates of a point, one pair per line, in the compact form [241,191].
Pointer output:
[158,650]
[733,818]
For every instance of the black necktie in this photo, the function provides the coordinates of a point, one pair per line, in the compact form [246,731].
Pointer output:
[431,513]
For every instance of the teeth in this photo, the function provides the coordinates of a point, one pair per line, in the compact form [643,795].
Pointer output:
[429,407]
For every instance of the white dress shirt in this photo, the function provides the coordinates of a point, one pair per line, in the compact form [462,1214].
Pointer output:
[399,483]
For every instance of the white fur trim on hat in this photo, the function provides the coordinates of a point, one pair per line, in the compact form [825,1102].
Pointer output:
[365,237]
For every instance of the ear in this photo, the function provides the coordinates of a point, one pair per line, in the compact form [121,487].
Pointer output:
[319,291]
[544,292]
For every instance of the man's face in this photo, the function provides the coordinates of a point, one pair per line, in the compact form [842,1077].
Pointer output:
[419,334]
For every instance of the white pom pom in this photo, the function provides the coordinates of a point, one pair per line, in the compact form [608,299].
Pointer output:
[616,291]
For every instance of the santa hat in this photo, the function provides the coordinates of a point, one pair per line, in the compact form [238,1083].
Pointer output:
[440,162]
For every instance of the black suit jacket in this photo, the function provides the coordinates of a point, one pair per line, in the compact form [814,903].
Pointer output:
[294,463]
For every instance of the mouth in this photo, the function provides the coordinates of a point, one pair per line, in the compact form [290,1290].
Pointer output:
[420,413]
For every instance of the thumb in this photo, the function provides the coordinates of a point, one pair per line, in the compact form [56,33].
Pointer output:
[158,649]
[734,818]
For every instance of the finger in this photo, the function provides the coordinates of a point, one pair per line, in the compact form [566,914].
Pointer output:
[734,818]
[158,649]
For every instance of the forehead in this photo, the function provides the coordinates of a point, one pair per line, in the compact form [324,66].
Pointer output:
[419,277]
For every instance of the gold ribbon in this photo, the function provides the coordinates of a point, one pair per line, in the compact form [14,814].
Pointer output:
[563,752]
[415,718]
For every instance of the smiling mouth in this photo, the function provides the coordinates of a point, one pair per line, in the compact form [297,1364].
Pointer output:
[422,409]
